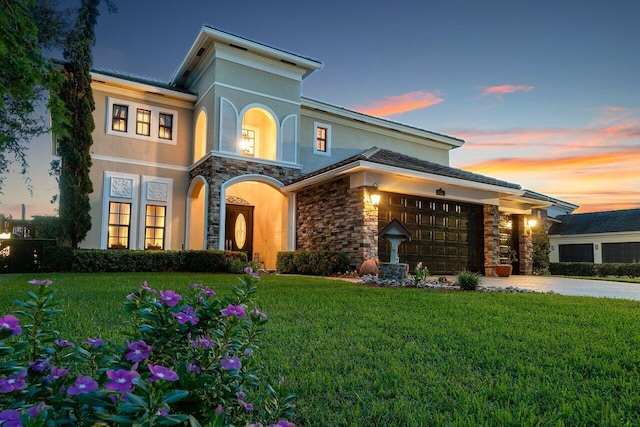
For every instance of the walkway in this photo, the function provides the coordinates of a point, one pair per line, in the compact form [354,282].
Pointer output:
[565,286]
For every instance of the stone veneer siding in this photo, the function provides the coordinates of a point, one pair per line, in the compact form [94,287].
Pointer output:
[218,170]
[333,216]
[491,239]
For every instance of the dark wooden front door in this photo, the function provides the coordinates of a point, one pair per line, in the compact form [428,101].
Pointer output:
[239,229]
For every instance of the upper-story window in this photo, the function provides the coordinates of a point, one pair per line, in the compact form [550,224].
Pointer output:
[152,123]
[259,134]
[322,135]
[166,126]
[119,117]
[143,122]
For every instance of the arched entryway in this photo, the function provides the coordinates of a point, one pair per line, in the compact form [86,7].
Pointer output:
[197,197]
[256,218]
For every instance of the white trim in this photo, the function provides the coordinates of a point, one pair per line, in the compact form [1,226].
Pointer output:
[139,163]
[240,122]
[154,125]
[205,227]
[206,130]
[251,92]
[327,152]
[223,197]
[249,59]
[144,201]
[293,221]
[133,200]
[105,82]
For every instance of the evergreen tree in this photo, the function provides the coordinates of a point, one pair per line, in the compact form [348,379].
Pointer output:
[541,249]
[75,158]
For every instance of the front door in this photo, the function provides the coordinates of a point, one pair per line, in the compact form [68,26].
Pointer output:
[239,229]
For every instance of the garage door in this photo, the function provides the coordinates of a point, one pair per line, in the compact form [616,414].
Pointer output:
[446,236]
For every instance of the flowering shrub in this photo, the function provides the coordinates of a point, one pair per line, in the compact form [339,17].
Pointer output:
[420,273]
[190,361]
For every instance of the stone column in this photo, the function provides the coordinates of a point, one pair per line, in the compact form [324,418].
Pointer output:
[525,241]
[491,238]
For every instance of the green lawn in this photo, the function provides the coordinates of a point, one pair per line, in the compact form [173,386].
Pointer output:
[359,355]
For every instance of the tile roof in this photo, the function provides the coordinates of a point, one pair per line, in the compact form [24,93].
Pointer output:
[391,158]
[597,222]
[140,79]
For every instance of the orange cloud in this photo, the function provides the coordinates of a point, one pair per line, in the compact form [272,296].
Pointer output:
[500,90]
[392,105]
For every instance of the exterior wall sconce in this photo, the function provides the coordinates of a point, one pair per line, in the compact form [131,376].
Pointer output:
[374,196]
[532,222]
[440,192]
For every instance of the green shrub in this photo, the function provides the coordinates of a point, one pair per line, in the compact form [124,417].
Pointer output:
[56,258]
[317,263]
[584,269]
[468,281]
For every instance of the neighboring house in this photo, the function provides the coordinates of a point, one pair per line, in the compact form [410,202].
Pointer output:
[598,237]
[230,155]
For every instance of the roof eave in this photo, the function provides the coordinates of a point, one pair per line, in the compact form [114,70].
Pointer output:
[97,76]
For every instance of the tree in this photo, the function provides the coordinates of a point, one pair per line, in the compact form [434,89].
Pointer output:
[26,76]
[74,181]
[541,249]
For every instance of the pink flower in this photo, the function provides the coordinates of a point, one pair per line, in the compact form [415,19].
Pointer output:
[234,310]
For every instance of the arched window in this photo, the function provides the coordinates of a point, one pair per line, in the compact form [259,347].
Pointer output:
[259,134]
[200,140]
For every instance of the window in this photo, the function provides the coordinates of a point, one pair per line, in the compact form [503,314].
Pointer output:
[154,227]
[119,223]
[248,142]
[322,139]
[166,126]
[143,122]
[119,118]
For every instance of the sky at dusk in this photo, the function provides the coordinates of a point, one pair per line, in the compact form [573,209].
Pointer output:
[546,94]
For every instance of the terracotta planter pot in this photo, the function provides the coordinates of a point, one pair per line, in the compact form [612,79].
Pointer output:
[503,270]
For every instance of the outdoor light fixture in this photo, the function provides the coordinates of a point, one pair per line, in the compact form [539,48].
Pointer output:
[440,192]
[531,222]
[375,196]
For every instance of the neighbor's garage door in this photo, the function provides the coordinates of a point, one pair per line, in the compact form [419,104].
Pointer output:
[447,237]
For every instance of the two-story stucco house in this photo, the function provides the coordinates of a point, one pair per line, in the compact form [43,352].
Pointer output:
[230,155]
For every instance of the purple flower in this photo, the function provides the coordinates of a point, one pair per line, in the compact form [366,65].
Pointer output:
[231,363]
[258,313]
[10,322]
[137,351]
[163,412]
[170,298]
[246,406]
[96,342]
[13,382]
[234,310]
[131,296]
[84,384]
[194,285]
[250,272]
[194,366]
[186,315]
[161,373]
[146,287]
[35,410]
[283,423]
[248,352]
[204,342]
[208,291]
[219,409]
[122,380]
[10,418]
[39,365]
[63,343]
[57,373]
[40,282]
[241,395]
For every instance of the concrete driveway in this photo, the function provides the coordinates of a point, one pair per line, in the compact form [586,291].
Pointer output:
[563,286]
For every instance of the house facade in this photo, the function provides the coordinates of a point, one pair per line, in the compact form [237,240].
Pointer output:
[229,155]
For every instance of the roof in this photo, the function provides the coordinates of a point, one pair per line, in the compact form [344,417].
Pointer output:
[597,222]
[140,79]
[536,195]
[391,158]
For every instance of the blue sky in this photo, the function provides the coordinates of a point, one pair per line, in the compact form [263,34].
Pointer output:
[545,93]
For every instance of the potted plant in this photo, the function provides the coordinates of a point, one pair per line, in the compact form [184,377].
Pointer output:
[504,270]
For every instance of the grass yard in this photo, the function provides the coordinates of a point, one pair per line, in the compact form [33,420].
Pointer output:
[360,355]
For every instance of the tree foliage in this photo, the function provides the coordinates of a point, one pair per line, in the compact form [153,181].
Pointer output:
[26,76]
[75,183]
[541,249]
